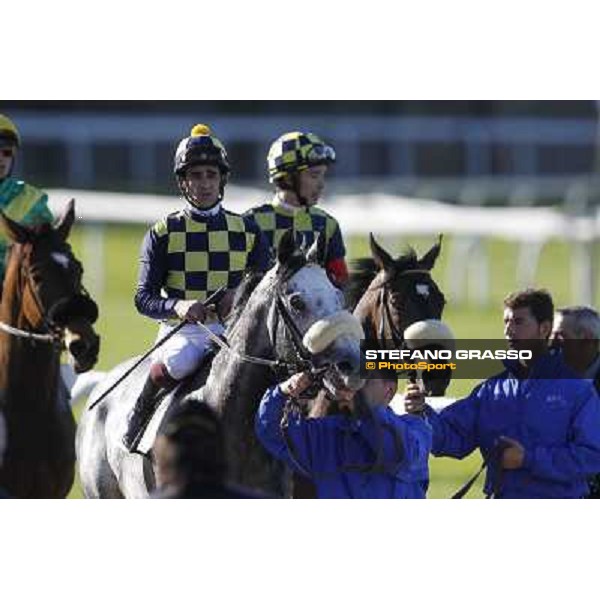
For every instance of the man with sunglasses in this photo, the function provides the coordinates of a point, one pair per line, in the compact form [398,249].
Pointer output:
[20,201]
[298,164]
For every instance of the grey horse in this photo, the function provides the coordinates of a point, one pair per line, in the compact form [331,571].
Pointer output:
[258,329]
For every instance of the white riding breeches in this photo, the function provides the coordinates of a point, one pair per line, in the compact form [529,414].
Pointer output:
[184,351]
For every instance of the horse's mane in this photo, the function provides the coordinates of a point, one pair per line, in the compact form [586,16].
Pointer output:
[251,280]
[362,273]
[364,270]
[243,292]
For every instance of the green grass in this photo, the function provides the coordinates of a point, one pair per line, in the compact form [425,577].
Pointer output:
[125,333]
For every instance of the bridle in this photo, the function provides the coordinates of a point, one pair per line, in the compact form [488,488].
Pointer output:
[52,332]
[378,466]
[385,317]
[302,359]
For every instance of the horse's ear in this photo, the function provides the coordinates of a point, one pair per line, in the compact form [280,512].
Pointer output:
[66,220]
[14,231]
[287,247]
[429,259]
[382,259]
[316,253]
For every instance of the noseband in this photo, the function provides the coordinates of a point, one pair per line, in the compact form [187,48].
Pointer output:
[53,320]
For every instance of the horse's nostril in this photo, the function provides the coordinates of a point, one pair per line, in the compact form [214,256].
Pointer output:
[77,348]
[344,367]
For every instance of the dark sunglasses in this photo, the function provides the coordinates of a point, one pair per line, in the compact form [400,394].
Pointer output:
[7,152]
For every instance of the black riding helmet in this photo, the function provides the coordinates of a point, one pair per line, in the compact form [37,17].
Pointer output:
[201,148]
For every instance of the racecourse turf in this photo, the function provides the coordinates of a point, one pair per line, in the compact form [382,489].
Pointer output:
[125,333]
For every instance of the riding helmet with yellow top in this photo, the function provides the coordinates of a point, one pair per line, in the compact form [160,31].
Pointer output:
[201,148]
[9,134]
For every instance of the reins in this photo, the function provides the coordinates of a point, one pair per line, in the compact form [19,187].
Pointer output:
[495,460]
[23,333]
[54,336]
[278,366]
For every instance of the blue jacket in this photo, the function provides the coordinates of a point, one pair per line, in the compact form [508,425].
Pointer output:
[338,452]
[553,414]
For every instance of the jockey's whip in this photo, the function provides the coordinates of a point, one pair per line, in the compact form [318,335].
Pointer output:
[212,299]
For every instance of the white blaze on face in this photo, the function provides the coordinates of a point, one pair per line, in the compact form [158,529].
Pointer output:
[320,297]
[61,259]
[422,289]
[328,330]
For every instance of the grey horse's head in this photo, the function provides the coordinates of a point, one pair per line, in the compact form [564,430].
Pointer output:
[315,306]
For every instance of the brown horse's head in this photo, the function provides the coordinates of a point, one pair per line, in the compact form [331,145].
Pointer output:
[397,292]
[43,287]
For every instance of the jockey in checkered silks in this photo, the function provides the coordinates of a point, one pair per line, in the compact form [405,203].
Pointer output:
[186,257]
[298,163]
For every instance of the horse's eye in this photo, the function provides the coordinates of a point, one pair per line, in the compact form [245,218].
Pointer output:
[297,303]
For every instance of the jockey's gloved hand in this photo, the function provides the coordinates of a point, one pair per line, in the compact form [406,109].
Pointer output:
[190,310]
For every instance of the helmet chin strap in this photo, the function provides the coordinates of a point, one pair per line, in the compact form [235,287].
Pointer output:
[296,189]
[183,188]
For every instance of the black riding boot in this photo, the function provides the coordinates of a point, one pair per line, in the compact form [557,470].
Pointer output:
[141,413]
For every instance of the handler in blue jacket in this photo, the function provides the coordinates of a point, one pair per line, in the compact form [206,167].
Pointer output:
[368,453]
[536,424]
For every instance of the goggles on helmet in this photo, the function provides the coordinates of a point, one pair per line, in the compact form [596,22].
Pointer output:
[320,153]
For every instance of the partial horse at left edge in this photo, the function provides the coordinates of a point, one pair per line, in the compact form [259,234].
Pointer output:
[44,310]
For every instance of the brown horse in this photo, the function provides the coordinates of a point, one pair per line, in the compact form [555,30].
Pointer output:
[44,307]
[390,294]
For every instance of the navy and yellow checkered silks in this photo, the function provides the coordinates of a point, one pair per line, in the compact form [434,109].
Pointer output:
[204,255]
[274,221]
[289,153]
